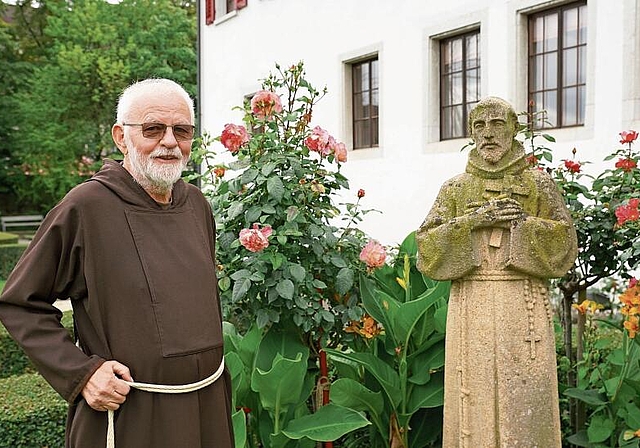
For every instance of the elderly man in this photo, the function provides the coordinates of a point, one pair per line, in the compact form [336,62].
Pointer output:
[133,249]
[498,231]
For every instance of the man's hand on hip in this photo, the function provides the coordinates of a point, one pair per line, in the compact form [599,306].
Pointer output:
[105,390]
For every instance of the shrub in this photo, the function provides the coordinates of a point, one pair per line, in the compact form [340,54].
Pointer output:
[32,413]
[13,360]
[9,256]
[8,238]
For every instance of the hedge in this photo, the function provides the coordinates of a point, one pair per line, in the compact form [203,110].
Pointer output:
[8,238]
[9,256]
[13,361]
[32,414]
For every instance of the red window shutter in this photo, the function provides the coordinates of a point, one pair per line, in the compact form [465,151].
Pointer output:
[210,11]
[241,4]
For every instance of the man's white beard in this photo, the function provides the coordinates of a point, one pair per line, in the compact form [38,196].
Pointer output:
[156,177]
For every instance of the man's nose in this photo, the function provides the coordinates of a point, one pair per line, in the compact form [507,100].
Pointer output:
[169,139]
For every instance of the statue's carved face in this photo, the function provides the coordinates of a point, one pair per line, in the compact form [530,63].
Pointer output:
[492,134]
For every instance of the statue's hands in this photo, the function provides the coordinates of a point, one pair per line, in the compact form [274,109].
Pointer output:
[105,390]
[498,212]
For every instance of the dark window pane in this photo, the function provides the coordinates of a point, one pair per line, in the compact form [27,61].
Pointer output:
[374,132]
[361,105]
[473,53]
[365,103]
[473,85]
[537,35]
[456,88]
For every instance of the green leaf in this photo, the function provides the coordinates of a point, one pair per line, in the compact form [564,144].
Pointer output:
[297,272]
[235,210]
[275,188]
[285,288]
[352,394]
[319,284]
[267,168]
[344,281]
[338,261]
[292,213]
[249,175]
[600,429]
[239,428]
[328,423]
[592,397]
[579,439]
[282,384]
[224,283]
[386,376]
[429,395]
[240,289]
[253,214]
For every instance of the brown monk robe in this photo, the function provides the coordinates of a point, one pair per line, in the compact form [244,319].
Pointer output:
[498,231]
[141,278]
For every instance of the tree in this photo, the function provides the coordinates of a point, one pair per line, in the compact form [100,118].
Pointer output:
[97,49]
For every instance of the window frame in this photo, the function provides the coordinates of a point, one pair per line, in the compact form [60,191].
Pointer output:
[464,70]
[580,107]
[374,132]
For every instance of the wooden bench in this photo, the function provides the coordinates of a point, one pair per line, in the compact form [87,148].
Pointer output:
[28,221]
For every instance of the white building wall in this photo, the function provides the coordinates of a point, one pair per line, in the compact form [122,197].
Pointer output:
[402,176]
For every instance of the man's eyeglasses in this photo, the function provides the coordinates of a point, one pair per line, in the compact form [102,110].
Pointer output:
[156,131]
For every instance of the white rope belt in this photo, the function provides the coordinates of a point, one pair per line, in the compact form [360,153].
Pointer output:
[162,389]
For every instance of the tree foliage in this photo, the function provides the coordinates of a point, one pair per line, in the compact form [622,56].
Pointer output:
[93,49]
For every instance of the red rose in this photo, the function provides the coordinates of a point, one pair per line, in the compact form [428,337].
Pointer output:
[571,166]
[628,136]
[626,164]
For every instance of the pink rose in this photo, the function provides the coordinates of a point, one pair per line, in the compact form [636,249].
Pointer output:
[373,254]
[265,103]
[233,137]
[255,239]
[340,150]
[319,141]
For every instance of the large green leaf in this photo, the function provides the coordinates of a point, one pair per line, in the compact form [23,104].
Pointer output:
[405,318]
[378,304]
[279,340]
[281,385]
[351,394]
[421,365]
[429,395]
[328,423]
[387,377]
[238,380]
[592,397]
[238,420]
[600,428]
[240,289]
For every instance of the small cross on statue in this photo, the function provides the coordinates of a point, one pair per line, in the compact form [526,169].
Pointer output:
[506,187]
[532,338]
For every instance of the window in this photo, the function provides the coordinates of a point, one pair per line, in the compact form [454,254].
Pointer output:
[459,82]
[219,8]
[365,96]
[557,65]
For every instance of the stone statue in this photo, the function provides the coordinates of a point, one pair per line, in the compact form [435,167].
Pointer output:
[499,231]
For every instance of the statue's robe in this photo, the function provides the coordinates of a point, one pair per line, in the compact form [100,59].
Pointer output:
[500,368]
[141,280]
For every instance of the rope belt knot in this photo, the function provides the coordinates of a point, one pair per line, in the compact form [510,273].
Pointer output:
[162,389]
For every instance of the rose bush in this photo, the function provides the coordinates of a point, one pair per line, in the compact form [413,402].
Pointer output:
[286,250]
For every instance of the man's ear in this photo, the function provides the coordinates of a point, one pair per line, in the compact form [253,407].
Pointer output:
[117,133]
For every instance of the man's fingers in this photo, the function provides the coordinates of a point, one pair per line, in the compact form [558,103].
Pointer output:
[122,371]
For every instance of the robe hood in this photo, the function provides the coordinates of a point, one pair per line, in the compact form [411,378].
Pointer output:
[512,163]
[117,179]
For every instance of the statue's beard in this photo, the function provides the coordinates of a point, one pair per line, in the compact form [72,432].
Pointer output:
[152,176]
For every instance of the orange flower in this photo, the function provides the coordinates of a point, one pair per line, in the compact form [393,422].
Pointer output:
[587,306]
[631,325]
[628,136]
[367,327]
